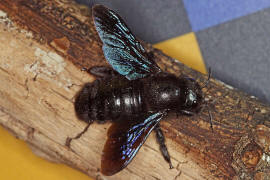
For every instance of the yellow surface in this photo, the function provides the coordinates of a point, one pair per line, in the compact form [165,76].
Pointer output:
[185,49]
[17,160]
[19,163]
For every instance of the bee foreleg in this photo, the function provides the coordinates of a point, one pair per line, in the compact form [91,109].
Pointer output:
[189,113]
[102,71]
[162,146]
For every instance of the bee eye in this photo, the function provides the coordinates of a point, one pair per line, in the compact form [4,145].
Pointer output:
[189,103]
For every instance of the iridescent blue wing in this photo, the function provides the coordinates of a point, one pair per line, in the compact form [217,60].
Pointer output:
[121,49]
[125,137]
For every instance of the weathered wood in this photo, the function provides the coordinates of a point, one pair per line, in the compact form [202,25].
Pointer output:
[44,45]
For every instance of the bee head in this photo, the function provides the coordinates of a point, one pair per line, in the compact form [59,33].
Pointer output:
[191,98]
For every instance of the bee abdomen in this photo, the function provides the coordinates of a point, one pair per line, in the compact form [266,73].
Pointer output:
[108,100]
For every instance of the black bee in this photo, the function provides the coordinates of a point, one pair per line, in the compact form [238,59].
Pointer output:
[135,94]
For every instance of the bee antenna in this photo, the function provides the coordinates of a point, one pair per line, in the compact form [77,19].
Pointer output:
[210,118]
[209,113]
[208,79]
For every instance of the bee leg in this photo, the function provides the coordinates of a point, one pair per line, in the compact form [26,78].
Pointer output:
[69,139]
[102,71]
[189,113]
[162,146]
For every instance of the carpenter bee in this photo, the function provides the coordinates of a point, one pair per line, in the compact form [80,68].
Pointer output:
[134,94]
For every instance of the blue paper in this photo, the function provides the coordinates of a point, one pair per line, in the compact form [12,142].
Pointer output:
[206,13]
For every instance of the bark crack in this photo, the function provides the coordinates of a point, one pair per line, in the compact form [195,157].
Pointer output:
[156,178]
[30,133]
[61,95]
[179,171]
[26,87]
[178,175]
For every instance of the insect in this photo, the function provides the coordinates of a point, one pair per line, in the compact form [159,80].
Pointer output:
[134,94]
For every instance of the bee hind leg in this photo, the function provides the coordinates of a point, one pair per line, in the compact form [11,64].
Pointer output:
[69,139]
[162,146]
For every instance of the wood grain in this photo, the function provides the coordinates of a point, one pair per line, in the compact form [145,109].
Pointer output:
[43,47]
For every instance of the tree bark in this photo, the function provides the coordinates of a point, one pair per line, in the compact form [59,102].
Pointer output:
[43,47]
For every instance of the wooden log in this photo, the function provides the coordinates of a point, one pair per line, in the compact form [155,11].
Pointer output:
[43,47]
